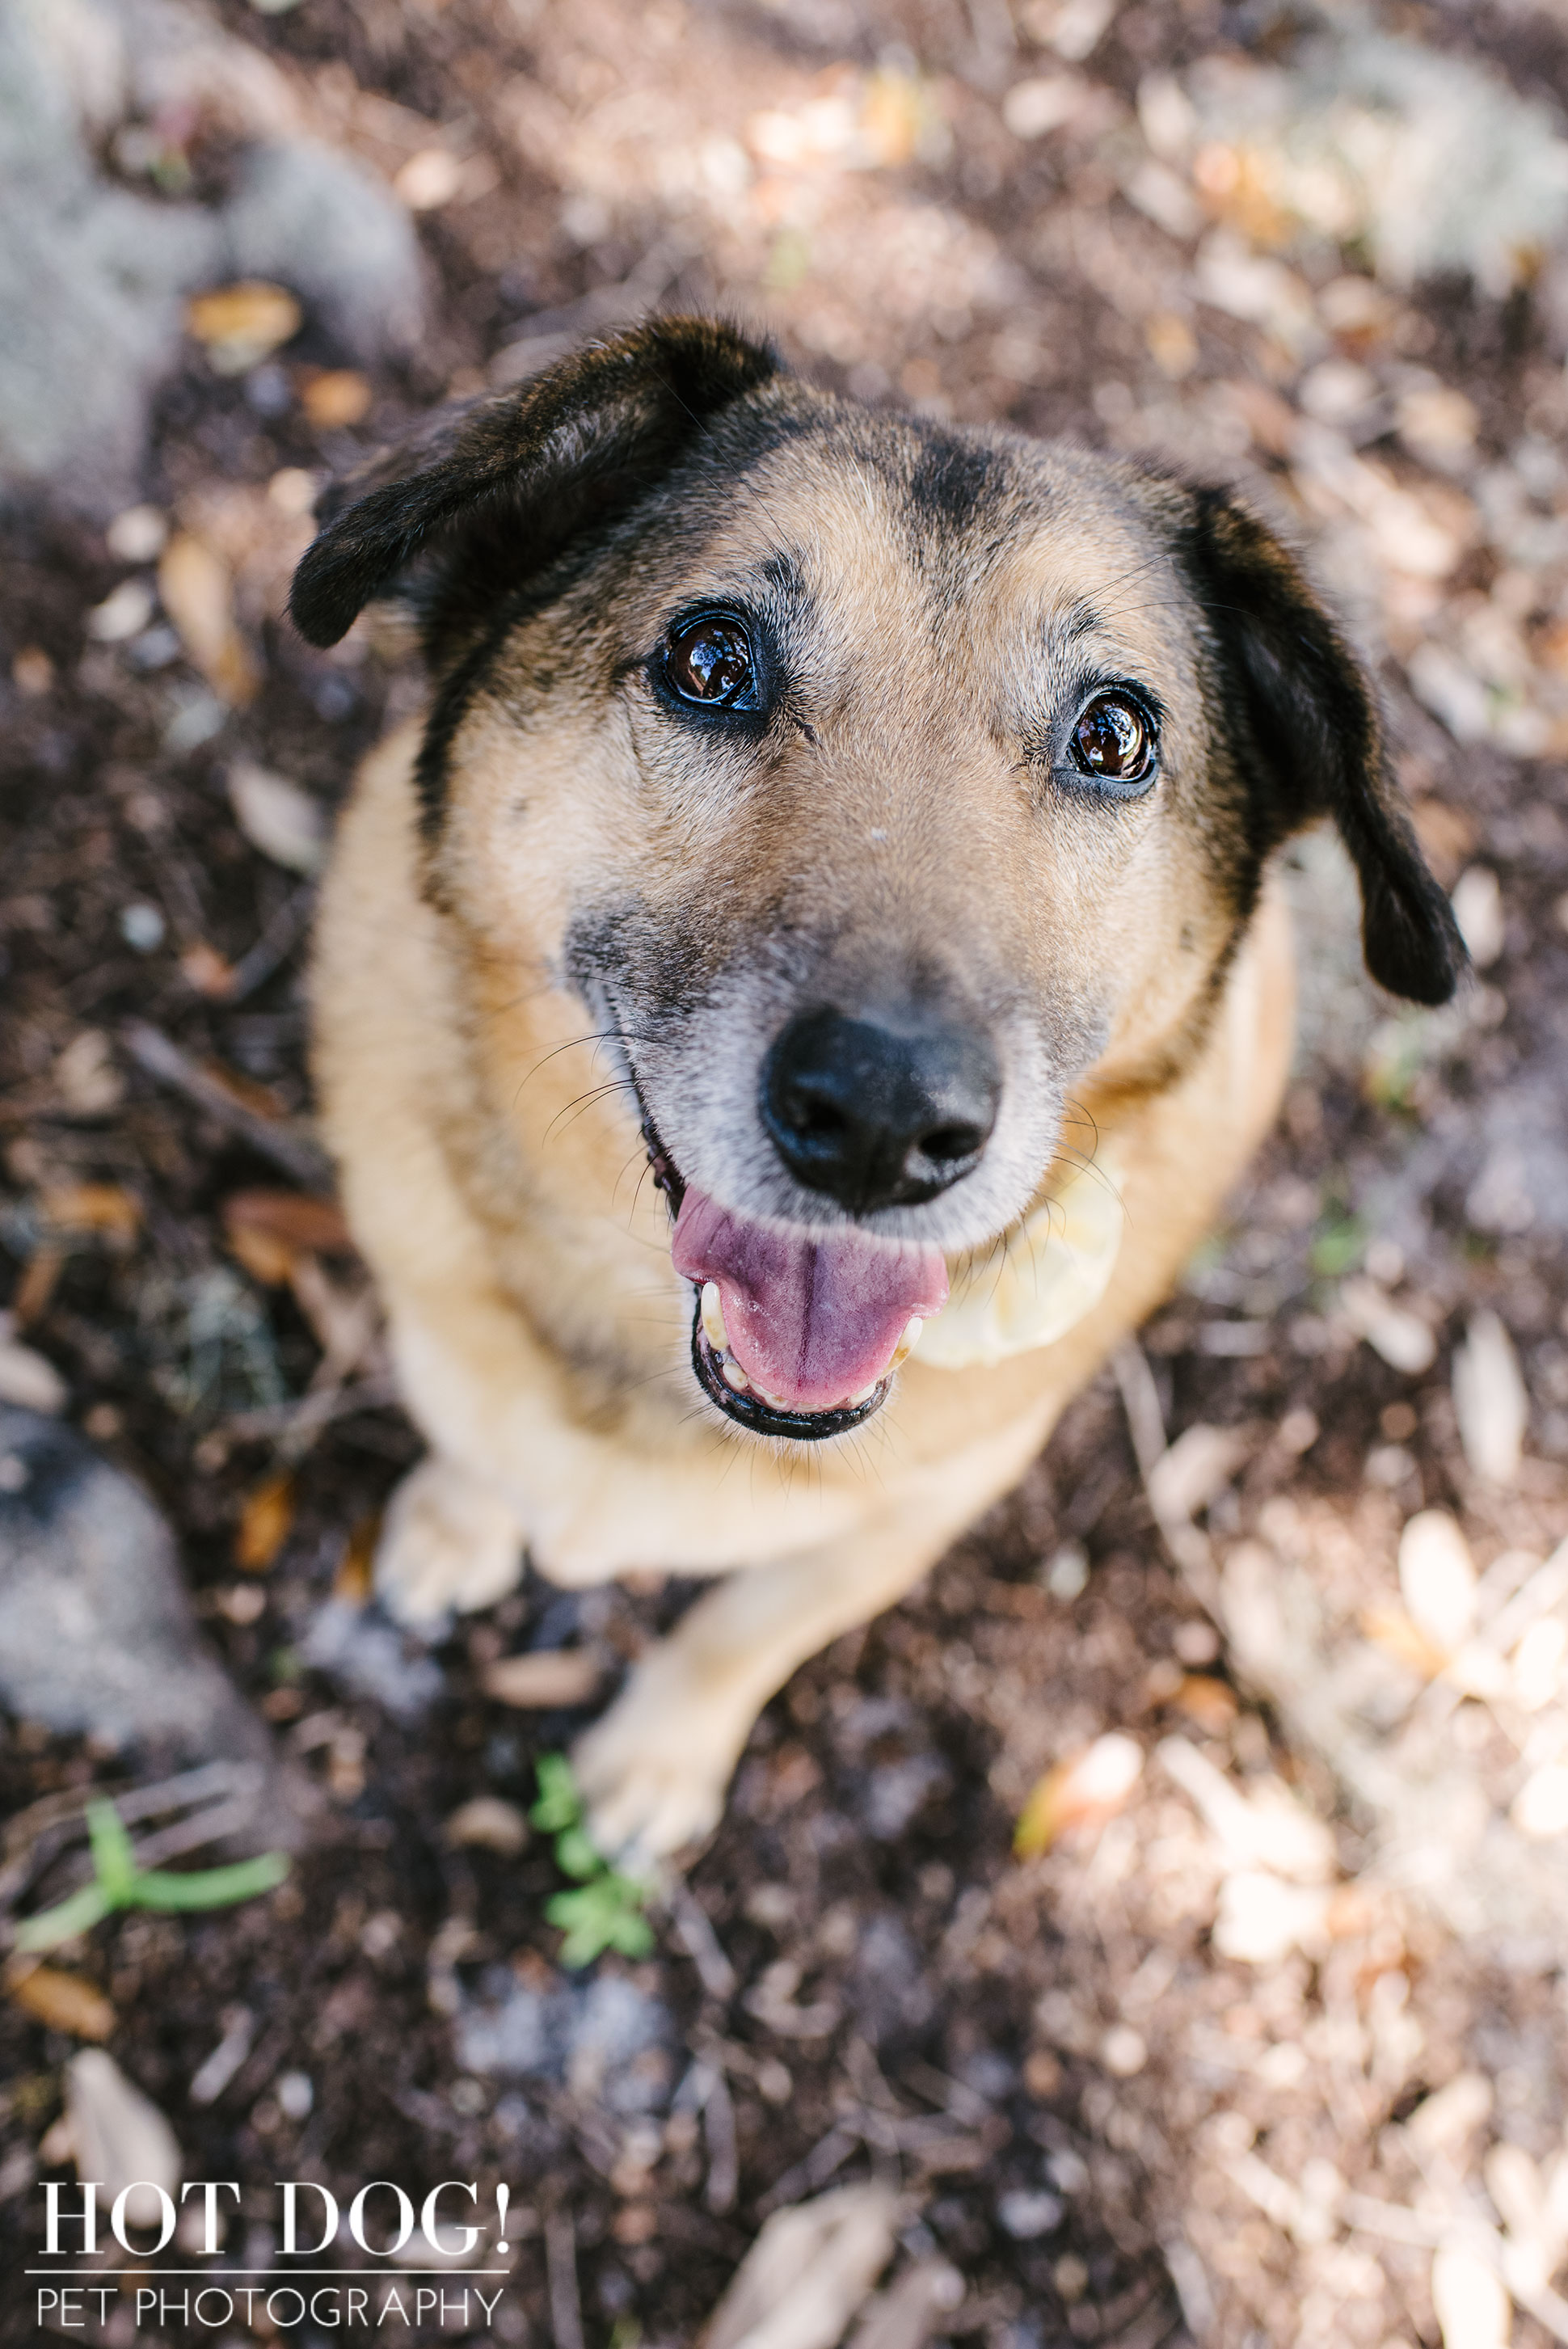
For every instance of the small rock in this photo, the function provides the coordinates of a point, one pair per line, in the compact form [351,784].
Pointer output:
[317,221]
[1489,1400]
[1198,1465]
[1027,2215]
[1401,1337]
[86,1077]
[1123,2051]
[605,2039]
[275,816]
[490,1823]
[96,1630]
[30,1380]
[547,1678]
[1478,909]
[358,1647]
[809,2271]
[119,2136]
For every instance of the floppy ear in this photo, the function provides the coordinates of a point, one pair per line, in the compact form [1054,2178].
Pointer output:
[1304,725]
[492,490]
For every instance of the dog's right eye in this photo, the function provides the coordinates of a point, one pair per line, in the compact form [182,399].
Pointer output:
[708,661]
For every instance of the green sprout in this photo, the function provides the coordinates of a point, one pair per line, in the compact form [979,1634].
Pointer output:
[118,1883]
[606,1909]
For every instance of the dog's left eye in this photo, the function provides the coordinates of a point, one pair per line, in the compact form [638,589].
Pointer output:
[1114,741]
[709,661]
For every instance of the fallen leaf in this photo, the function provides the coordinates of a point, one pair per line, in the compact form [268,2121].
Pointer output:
[1190,1472]
[1470,2301]
[265,1257]
[86,1076]
[92,1208]
[490,1823]
[1398,1637]
[1399,1336]
[343,1319]
[1442,2121]
[265,1517]
[809,2272]
[354,1579]
[30,1297]
[63,2002]
[1208,1701]
[119,2136]
[242,324]
[1437,1579]
[911,2311]
[550,1677]
[293,1218]
[1489,1400]
[198,591]
[336,398]
[275,816]
[1266,1827]
[1080,1794]
[31,671]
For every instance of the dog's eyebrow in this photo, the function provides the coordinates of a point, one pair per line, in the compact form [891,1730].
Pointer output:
[782,570]
[1077,620]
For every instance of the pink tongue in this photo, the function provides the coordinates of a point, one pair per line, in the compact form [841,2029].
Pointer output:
[812,1321]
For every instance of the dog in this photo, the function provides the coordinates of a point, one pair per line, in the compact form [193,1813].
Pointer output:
[805,987]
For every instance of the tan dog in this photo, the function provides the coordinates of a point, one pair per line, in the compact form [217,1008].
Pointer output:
[864,823]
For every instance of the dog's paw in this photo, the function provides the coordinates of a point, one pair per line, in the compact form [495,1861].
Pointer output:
[653,1773]
[447,1542]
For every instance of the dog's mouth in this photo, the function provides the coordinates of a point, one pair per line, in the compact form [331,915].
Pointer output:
[793,1335]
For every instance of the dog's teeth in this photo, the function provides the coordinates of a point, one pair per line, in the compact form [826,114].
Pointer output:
[774,1403]
[908,1342]
[713,1327]
[734,1376]
[853,1403]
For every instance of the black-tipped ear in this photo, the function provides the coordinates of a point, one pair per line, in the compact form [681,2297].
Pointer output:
[505,482]
[1305,729]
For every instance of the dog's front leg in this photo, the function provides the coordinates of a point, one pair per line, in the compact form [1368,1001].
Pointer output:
[655,1769]
[449,1539]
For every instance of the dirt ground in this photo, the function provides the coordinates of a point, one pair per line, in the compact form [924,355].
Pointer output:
[1177,2078]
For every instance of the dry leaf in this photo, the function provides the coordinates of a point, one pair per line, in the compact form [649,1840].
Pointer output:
[336,398]
[32,1293]
[63,2002]
[1401,1337]
[343,1320]
[1392,1630]
[31,671]
[295,1218]
[1208,1701]
[242,324]
[1191,1471]
[1265,1828]
[491,1824]
[267,1259]
[1490,1401]
[275,816]
[92,1208]
[86,1076]
[809,2271]
[198,592]
[265,1517]
[355,1577]
[119,2136]
[911,2311]
[1083,1793]
[1469,2300]
[428,180]
[1437,1579]
[553,1676]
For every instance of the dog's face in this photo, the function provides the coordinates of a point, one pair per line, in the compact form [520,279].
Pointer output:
[869,783]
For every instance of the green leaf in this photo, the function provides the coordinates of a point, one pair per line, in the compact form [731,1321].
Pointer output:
[50,1926]
[114,1862]
[575,1856]
[559,1806]
[211,1888]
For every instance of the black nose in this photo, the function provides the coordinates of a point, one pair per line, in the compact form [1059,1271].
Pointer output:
[873,1118]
